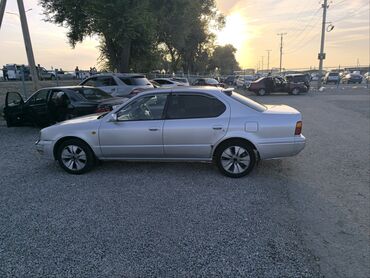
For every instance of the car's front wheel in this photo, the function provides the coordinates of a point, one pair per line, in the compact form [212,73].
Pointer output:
[235,158]
[75,156]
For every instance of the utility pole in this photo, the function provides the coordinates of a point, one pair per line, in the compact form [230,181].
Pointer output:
[28,44]
[262,63]
[322,54]
[268,58]
[2,10]
[281,47]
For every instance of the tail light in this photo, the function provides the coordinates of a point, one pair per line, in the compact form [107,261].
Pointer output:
[298,128]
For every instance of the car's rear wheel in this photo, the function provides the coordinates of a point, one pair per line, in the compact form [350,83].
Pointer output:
[261,92]
[235,158]
[295,91]
[75,157]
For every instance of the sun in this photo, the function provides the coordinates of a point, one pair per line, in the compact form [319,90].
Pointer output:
[235,31]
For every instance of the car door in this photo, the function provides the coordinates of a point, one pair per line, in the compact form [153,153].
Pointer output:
[37,107]
[194,123]
[137,131]
[13,110]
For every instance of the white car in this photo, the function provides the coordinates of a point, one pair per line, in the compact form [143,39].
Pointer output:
[178,124]
[169,82]
[243,81]
[119,84]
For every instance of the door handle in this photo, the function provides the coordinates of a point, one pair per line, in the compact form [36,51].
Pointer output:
[153,129]
[218,127]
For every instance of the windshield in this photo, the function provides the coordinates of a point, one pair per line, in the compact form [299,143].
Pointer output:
[211,81]
[93,93]
[248,102]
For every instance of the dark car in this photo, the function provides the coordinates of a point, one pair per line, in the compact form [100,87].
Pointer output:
[269,84]
[299,78]
[208,82]
[352,78]
[230,80]
[50,105]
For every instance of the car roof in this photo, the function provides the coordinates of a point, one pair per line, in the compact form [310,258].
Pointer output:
[117,74]
[190,89]
[68,87]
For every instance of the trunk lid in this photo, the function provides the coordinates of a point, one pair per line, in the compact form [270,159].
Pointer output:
[280,109]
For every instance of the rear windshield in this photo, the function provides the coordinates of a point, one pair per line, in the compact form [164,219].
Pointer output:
[135,80]
[93,93]
[248,102]
[211,81]
[333,74]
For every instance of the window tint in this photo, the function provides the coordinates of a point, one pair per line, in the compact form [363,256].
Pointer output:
[162,81]
[90,82]
[105,81]
[93,94]
[194,106]
[135,80]
[39,98]
[144,108]
[14,99]
[248,102]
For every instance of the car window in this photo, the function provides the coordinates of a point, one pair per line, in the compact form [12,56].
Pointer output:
[162,81]
[58,100]
[90,82]
[135,80]
[144,108]
[93,93]
[212,81]
[39,98]
[105,81]
[14,99]
[182,106]
[248,102]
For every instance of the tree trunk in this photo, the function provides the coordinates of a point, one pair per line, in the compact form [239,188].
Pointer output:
[124,62]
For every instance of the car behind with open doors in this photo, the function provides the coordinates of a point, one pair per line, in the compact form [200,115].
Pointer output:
[50,105]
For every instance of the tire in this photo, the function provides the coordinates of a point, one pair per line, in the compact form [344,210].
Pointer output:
[295,91]
[261,92]
[235,158]
[75,157]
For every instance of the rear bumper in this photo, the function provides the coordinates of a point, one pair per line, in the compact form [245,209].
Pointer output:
[45,148]
[283,148]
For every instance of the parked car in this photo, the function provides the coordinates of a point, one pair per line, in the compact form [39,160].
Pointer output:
[269,84]
[208,82]
[244,81]
[352,78]
[168,82]
[178,124]
[230,80]
[299,78]
[119,84]
[367,76]
[55,104]
[182,80]
[331,77]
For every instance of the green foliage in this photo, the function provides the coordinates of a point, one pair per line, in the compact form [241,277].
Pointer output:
[142,35]
[223,58]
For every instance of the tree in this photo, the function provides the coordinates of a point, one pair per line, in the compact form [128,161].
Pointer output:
[224,59]
[125,27]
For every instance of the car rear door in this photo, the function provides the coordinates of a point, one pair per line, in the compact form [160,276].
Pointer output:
[194,123]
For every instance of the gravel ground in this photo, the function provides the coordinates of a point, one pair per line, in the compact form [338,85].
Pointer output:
[305,216]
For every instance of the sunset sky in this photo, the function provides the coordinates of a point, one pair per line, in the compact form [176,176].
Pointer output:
[251,26]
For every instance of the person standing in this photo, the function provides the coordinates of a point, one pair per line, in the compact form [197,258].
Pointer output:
[77,72]
[5,73]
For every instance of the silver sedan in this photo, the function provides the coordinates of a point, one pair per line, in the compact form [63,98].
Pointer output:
[179,124]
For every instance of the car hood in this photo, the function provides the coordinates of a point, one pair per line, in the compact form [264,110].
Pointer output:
[80,120]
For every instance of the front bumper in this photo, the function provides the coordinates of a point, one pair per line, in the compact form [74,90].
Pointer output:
[45,148]
[283,148]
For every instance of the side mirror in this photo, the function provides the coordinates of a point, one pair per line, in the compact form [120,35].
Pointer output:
[113,117]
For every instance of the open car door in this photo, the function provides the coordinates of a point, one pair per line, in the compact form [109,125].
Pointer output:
[13,110]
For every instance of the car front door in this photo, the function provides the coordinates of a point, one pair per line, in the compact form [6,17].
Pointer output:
[194,124]
[13,110]
[137,130]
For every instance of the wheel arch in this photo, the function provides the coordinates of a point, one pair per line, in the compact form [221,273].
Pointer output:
[63,139]
[236,138]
